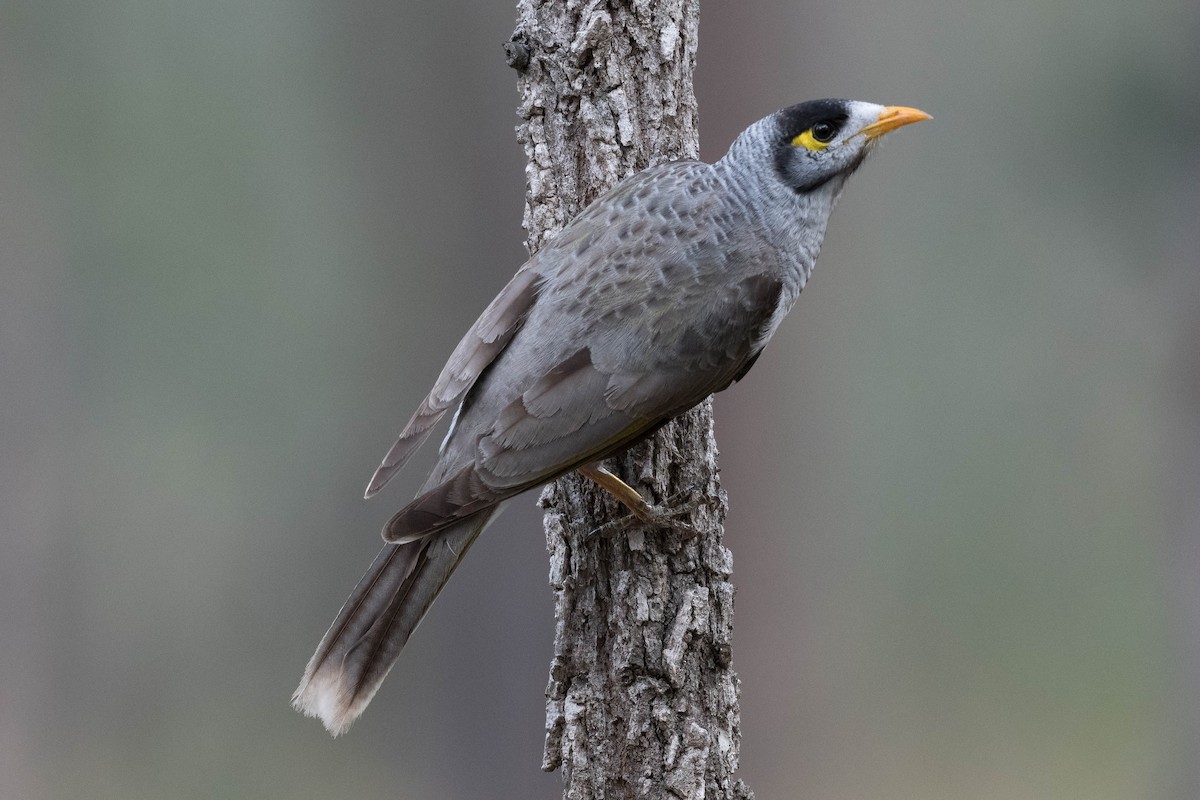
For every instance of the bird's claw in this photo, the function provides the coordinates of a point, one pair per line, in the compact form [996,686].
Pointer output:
[666,516]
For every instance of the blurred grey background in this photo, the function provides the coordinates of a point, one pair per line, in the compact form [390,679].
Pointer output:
[238,239]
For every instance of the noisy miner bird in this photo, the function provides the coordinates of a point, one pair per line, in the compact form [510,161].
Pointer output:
[660,293]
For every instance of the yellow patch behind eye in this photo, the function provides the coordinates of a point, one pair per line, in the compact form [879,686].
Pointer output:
[809,142]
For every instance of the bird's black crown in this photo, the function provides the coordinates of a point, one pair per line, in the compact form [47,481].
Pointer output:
[795,120]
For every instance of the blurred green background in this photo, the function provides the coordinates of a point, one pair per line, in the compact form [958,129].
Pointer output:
[238,239]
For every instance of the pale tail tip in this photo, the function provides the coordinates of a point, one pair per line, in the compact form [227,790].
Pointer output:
[318,698]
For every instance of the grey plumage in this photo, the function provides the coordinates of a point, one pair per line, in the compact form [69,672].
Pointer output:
[660,293]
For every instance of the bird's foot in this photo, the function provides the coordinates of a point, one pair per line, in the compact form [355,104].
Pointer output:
[671,515]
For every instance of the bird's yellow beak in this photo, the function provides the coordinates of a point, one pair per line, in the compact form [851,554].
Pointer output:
[893,117]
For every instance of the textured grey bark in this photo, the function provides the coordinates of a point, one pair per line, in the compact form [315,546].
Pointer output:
[642,699]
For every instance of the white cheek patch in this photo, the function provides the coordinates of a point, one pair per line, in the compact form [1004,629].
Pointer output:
[861,115]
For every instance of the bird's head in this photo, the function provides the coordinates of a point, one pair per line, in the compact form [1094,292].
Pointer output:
[823,141]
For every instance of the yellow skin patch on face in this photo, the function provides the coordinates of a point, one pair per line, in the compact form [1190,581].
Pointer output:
[809,142]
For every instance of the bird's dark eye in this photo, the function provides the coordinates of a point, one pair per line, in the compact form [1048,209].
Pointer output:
[824,132]
[818,137]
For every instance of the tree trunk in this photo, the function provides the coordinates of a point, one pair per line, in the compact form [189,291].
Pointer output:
[642,699]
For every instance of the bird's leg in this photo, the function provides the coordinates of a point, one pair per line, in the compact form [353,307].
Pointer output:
[626,495]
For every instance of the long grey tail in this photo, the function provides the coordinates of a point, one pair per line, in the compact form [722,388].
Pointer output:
[384,609]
